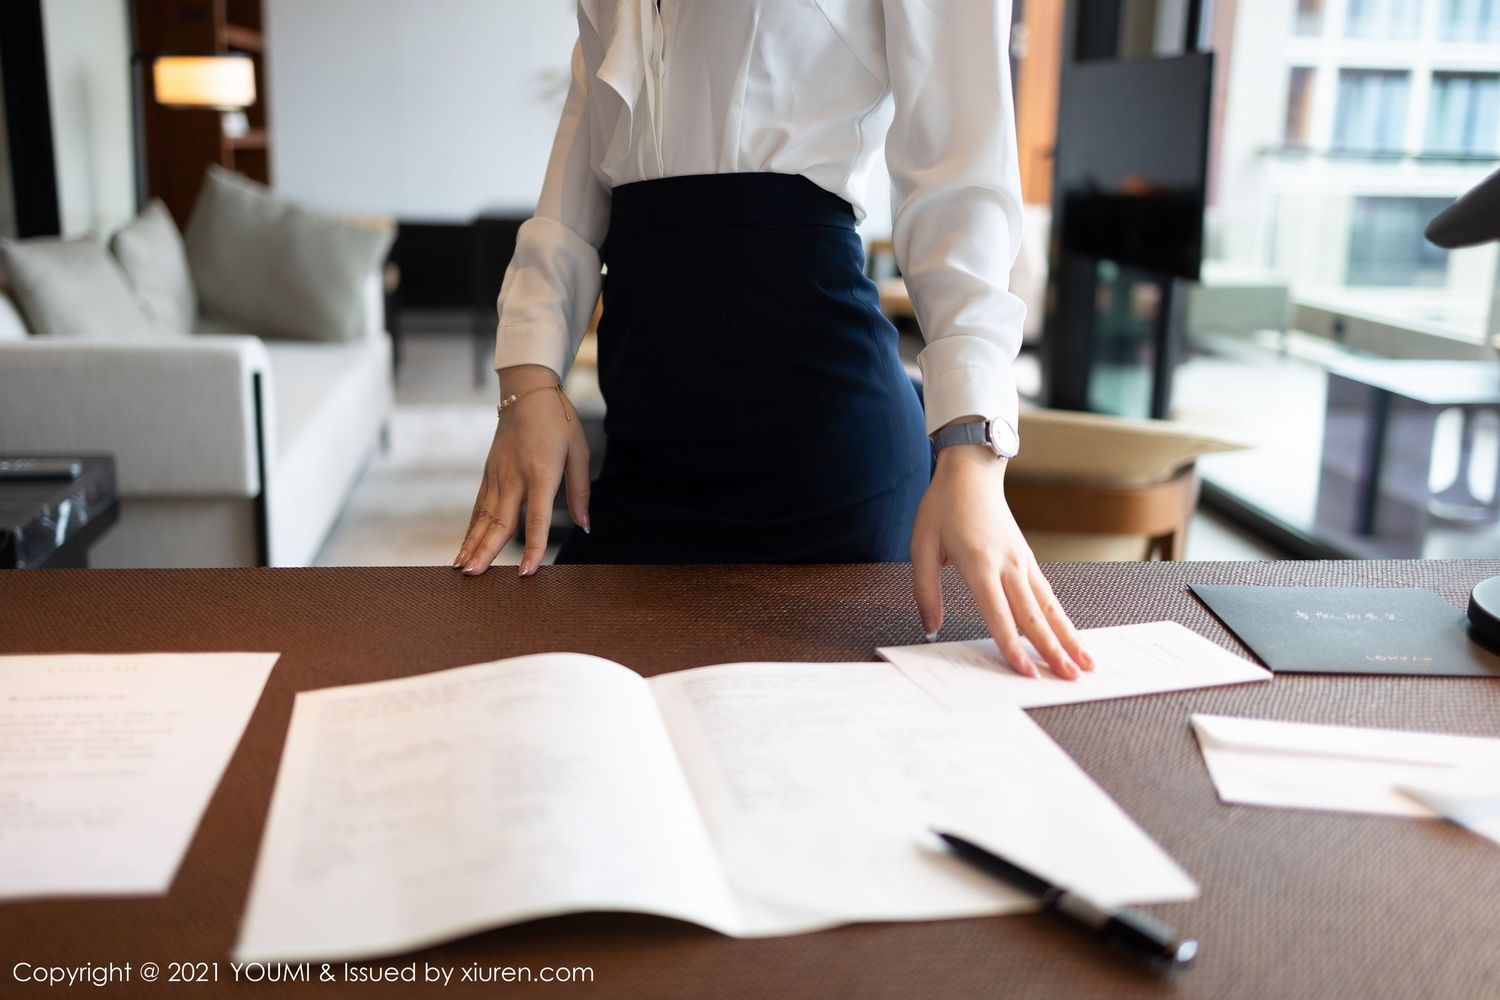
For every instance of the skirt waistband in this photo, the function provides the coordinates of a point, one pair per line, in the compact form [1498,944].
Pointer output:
[737,199]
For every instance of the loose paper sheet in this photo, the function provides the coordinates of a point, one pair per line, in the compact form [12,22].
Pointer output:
[1469,797]
[108,762]
[1296,765]
[1130,660]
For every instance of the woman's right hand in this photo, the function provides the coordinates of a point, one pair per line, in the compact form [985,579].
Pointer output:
[537,442]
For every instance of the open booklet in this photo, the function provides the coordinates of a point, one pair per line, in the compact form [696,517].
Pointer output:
[753,799]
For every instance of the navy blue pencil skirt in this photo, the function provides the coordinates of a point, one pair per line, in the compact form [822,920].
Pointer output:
[756,409]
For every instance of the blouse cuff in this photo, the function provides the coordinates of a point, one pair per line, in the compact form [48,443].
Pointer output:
[542,344]
[967,376]
[547,298]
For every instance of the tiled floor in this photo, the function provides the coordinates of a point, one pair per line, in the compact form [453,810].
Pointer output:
[413,504]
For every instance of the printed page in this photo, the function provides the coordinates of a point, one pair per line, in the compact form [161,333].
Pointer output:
[417,810]
[107,763]
[1130,660]
[819,783]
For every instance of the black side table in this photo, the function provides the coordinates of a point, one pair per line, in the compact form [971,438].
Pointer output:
[1374,495]
[50,523]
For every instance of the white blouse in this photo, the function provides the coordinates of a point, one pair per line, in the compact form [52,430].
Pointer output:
[810,87]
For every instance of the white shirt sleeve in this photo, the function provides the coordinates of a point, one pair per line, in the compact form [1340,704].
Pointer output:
[552,284]
[956,199]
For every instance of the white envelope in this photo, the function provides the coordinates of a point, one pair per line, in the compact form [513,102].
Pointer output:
[1300,766]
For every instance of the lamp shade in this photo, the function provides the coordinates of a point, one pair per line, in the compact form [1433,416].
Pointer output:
[223,82]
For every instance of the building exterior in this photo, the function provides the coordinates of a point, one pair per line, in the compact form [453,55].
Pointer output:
[1345,125]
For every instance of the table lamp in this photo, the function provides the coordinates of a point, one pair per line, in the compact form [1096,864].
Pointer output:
[1470,221]
[223,83]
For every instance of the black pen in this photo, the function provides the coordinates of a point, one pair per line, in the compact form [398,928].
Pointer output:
[1134,930]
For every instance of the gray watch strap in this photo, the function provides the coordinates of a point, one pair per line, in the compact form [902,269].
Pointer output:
[974,432]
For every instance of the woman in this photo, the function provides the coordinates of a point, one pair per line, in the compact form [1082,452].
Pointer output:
[713,154]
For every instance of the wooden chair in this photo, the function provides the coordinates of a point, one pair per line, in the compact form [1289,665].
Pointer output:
[1159,513]
[1093,487]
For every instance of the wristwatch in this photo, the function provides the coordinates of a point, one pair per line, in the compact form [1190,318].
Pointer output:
[995,435]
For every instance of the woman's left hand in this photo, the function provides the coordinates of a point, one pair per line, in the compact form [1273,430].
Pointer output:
[964,520]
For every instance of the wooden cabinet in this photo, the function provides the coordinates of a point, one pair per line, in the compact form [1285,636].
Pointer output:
[180,143]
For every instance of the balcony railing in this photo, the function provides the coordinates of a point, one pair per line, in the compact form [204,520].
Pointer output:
[1294,151]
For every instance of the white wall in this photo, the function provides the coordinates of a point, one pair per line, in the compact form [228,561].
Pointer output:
[430,110]
[88,82]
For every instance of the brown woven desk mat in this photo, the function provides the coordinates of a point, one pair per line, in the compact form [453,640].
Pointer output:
[1294,904]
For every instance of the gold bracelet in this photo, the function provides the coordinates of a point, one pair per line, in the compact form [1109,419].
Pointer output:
[515,397]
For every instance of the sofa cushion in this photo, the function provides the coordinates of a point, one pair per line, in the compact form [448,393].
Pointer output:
[329,403]
[277,268]
[150,250]
[307,378]
[12,326]
[73,288]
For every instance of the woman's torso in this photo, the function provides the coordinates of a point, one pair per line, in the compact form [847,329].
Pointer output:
[732,86]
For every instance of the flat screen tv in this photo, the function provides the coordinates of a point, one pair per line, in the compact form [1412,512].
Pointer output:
[1132,161]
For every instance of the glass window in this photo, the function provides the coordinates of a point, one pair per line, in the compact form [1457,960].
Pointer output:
[1382,18]
[1298,106]
[1386,246]
[1469,21]
[1309,17]
[1371,114]
[1463,117]
[1316,263]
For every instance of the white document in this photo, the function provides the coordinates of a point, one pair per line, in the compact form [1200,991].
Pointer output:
[108,762]
[818,781]
[1129,660]
[753,799]
[1338,768]
[1469,797]
[412,811]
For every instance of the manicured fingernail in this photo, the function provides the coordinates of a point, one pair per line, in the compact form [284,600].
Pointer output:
[584,524]
[930,636]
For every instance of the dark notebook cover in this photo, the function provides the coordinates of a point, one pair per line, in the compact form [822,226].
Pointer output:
[1351,630]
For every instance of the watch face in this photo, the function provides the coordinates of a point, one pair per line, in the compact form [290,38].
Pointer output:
[1003,439]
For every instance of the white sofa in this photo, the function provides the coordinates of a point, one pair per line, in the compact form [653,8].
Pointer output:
[230,449]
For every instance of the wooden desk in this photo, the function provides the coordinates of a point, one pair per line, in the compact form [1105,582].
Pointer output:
[1294,904]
